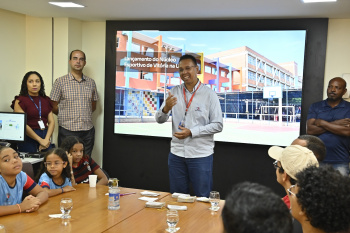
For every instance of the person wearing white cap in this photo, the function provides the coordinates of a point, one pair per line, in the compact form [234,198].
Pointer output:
[290,161]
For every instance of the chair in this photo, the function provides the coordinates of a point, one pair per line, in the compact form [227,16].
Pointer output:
[28,168]
[105,173]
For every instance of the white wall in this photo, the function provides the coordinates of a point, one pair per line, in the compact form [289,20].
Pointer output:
[60,47]
[38,54]
[74,34]
[94,40]
[338,50]
[12,56]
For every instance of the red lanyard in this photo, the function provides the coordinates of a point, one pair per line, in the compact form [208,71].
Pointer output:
[189,102]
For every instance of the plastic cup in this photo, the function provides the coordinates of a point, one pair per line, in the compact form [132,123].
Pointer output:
[92,180]
[2,229]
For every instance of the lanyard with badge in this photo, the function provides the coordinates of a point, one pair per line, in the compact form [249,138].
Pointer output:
[182,122]
[40,122]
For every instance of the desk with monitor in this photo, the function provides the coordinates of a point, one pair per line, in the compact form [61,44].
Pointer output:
[12,126]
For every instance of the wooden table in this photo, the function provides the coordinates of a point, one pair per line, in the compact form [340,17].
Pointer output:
[197,218]
[89,214]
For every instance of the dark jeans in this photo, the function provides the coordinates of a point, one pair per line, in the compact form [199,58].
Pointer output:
[197,171]
[88,137]
[32,146]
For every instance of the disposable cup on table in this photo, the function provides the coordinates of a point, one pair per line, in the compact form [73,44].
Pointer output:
[92,180]
[2,229]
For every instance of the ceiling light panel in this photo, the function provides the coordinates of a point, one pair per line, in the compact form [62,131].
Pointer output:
[66,4]
[309,1]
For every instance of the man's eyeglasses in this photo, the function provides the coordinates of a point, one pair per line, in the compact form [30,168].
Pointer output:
[290,193]
[187,69]
[276,165]
[48,164]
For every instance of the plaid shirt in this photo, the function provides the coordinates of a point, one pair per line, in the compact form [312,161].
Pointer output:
[74,98]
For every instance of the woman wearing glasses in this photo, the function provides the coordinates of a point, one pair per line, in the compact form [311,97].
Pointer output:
[320,200]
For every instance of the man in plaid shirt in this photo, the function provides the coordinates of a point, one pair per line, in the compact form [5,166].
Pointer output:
[74,99]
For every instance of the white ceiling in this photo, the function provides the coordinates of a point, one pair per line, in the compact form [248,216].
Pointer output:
[101,10]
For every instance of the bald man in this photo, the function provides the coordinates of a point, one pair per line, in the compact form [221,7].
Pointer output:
[314,144]
[330,121]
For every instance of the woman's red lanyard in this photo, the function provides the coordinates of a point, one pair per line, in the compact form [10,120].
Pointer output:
[189,102]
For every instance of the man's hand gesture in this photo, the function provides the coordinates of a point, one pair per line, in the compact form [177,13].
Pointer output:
[170,102]
[184,133]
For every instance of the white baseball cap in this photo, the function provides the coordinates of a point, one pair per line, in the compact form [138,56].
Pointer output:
[293,158]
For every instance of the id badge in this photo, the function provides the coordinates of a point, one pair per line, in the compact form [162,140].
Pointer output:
[182,123]
[41,124]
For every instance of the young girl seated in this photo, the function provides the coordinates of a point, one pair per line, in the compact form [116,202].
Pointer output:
[13,181]
[58,174]
[82,164]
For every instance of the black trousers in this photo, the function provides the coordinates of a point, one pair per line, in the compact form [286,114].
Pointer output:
[88,137]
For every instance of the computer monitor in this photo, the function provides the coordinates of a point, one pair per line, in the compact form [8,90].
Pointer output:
[12,127]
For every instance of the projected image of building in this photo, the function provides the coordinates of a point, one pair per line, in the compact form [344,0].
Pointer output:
[249,69]
[257,71]
[147,66]
[147,71]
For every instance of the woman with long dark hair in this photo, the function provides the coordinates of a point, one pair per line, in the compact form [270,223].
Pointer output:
[40,122]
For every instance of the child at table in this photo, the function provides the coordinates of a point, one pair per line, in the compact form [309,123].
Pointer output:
[83,165]
[13,182]
[57,176]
